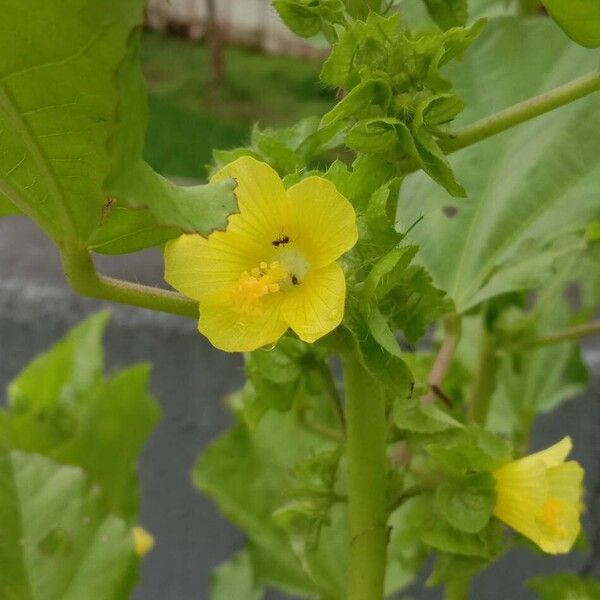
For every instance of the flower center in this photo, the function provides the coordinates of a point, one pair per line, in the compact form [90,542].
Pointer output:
[253,285]
[295,265]
[551,518]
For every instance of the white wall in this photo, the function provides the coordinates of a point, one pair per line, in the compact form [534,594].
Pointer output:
[252,22]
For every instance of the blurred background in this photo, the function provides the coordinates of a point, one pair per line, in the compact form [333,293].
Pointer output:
[214,68]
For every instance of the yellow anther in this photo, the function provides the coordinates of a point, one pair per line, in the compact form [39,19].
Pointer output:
[251,287]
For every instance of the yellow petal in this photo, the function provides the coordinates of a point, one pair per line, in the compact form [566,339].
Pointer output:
[143,541]
[565,482]
[264,206]
[325,222]
[230,330]
[559,526]
[316,306]
[200,267]
[555,455]
[521,490]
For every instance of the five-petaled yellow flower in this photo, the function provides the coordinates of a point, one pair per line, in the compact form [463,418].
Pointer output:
[540,496]
[273,267]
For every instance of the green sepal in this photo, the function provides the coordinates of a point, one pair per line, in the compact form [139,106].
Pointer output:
[467,503]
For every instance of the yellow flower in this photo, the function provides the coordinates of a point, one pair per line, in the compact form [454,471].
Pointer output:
[540,496]
[273,267]
[143,541]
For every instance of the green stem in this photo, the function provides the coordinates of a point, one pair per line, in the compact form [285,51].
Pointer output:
[457,589]
[81,274]
[484,380]
[367,474]
[524,111]
[570,333]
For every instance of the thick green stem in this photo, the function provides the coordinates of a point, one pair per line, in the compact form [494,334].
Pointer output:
[484,380]
[570,333]
[524,111]
[81,274]
[457,589]
[366,456]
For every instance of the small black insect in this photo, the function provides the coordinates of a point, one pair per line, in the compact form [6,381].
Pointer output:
[281,241]
[295,280]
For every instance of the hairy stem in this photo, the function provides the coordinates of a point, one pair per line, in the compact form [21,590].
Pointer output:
[444,356]
[457,589]
[81,274]
[366,456]
[523,111]
[569,333]
[478,401]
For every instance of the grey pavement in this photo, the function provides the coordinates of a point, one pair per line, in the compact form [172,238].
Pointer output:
[190,379]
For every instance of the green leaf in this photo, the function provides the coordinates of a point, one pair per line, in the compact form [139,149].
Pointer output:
[124,230]
[445,538]
[563,586]
[462,451]
[412,415]
[63,374]
[57,107]
[465,245]
[534,380]
[235,579]
[449,567]
[307,18]
[247,474]
[195,209]
[369,98]
[579,19]
[7,208]
[61,406]
[468,502]
[59,542]
[448,13]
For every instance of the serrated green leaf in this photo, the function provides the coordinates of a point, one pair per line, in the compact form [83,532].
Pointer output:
[194,209]
[506,176]
[59,542]
[448,13]
[235,579]
[246,474]
[579,19]
[467,503]
[61,406]
[565,586]
[412,415]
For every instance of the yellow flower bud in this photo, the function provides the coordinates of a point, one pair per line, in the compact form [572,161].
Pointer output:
[143,541]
